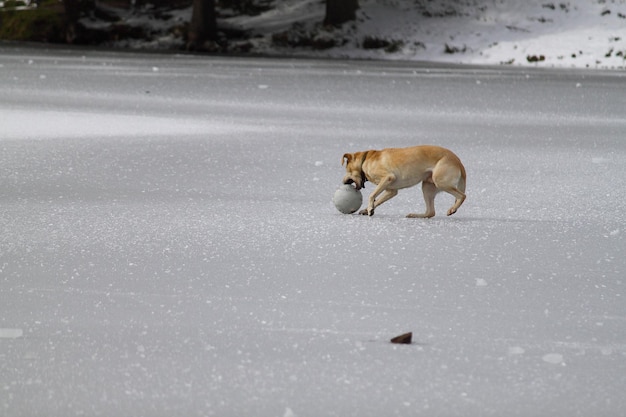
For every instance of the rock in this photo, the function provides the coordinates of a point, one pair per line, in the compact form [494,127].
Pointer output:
[404,339]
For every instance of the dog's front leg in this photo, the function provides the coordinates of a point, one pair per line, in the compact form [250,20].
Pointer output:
[382,186]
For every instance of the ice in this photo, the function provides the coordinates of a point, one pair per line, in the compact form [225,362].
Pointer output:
[178,253]
[481,282]
[516,350]
[11,333]
[289,413]
[553,358]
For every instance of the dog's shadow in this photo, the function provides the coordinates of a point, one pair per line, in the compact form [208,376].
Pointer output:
[496,220]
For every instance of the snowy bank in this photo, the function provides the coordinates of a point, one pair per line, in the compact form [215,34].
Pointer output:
[546,33]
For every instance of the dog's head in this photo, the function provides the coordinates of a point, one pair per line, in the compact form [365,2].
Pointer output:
[354,169]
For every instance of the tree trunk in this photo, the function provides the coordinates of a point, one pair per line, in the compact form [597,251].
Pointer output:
[72,14]
[74,10]
[340,11]
[203,26]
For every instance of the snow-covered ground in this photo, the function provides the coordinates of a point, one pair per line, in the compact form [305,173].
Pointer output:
[545,33]
[168,245]
[576,33]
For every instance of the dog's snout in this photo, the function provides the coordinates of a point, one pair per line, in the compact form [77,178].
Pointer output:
[348,181]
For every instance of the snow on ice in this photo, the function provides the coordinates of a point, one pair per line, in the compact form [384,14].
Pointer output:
[169,246]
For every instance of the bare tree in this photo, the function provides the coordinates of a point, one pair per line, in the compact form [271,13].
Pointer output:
[340,11]
[203,25]
[72,10]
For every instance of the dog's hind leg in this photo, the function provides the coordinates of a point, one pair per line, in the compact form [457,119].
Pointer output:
[430,191]
[458,193]
[452,181]
[460,198]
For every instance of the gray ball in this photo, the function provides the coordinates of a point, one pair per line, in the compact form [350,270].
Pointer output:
[347,199]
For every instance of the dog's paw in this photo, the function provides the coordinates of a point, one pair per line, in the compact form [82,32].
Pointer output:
[420,215]
[367,212]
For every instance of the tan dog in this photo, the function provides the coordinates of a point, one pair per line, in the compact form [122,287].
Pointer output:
[438,169]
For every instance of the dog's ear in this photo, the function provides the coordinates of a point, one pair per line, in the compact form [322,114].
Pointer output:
[347,157]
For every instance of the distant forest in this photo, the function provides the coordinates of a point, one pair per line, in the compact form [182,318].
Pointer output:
[55,21]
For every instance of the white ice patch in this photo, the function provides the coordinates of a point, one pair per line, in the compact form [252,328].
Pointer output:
[606,351]
[480,282]
[553,358]
[47,124]
[289,413]
[11,333]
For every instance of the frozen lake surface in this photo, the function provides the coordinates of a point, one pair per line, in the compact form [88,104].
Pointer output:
[168,245]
